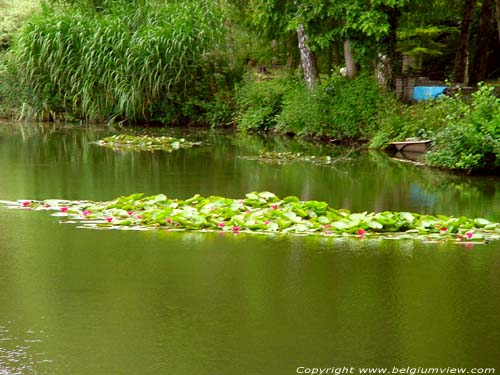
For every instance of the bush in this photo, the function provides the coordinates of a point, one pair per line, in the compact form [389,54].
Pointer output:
[422,120]
[472,138]
[259,102]
[341,108]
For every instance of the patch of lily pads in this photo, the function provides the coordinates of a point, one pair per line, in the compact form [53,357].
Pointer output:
[261,212]
[274,157]
[145,142]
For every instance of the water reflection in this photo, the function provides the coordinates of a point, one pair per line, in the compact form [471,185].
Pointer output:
[76,301]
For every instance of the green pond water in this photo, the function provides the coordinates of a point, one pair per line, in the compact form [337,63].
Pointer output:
[80,301]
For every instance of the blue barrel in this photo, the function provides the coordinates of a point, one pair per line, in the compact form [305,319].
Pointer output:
[427,92]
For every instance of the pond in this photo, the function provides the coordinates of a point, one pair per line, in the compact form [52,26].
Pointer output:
[80,301]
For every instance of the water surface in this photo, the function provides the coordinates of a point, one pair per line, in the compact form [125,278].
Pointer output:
[76,301]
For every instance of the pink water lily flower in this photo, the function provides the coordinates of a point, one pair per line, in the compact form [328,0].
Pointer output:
[130,213]
[267,222]
[168,220]
[26,203]
[274,206]
[361,232]
[138,216]
[63,209]
[469,235]
[86,213]
[109,219]
[236,228]
[221,225]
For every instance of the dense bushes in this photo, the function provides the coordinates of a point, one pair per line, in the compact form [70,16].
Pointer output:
[471,139]
[339,108]
[128,60]
[465,132]
[259,102]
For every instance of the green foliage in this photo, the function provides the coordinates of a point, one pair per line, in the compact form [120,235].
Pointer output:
[472,138]
[145,143]
[340,108]
[421,120]
[134,60]
[12,13]
[258,102]
[262,212]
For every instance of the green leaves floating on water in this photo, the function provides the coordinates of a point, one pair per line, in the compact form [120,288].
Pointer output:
[145,142]
[262,212]
[273,157]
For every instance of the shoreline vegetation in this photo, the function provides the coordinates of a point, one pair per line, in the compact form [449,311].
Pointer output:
[262,213]
[202,63]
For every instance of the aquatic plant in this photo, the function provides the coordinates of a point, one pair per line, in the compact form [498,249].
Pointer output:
[145,142]
[261,212]
[273,157]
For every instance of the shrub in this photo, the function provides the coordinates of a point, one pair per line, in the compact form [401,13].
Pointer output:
[340,108]
[259,102]
[423,120]
[472,139]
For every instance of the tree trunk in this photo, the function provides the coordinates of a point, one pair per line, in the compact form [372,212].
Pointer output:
[307,58]
[350,64]
[463,46]
[498,18]
[482,52]
[390,60]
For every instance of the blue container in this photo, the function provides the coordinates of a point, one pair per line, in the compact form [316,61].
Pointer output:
[427,92]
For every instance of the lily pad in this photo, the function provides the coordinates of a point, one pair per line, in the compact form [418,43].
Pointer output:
[145,142]
[260,212]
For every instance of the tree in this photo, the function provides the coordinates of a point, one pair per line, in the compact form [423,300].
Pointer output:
[483,43]
[497,6]
[463,46]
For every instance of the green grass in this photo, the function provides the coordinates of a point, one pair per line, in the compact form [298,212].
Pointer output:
[132,61]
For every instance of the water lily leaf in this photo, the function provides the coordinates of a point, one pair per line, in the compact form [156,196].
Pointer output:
[267,195]
[273,227]
[291,199]
[339,225]
[252,196]
[407,216]
[323,220]
[293,217]
[480,222]
[375,224]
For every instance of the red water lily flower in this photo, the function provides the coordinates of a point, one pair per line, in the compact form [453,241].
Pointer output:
[236,228]
[274,206]
[221,225]
[443,230]
[469,235]
[168,220]
[26,203]
[109,219]
[361,233]
[63,209]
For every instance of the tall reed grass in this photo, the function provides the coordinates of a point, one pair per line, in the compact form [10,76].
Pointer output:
[133,60]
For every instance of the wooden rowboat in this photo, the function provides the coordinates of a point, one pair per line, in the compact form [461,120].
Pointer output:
[412,146]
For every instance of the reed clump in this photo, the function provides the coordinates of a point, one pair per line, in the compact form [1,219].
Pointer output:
[132,60]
